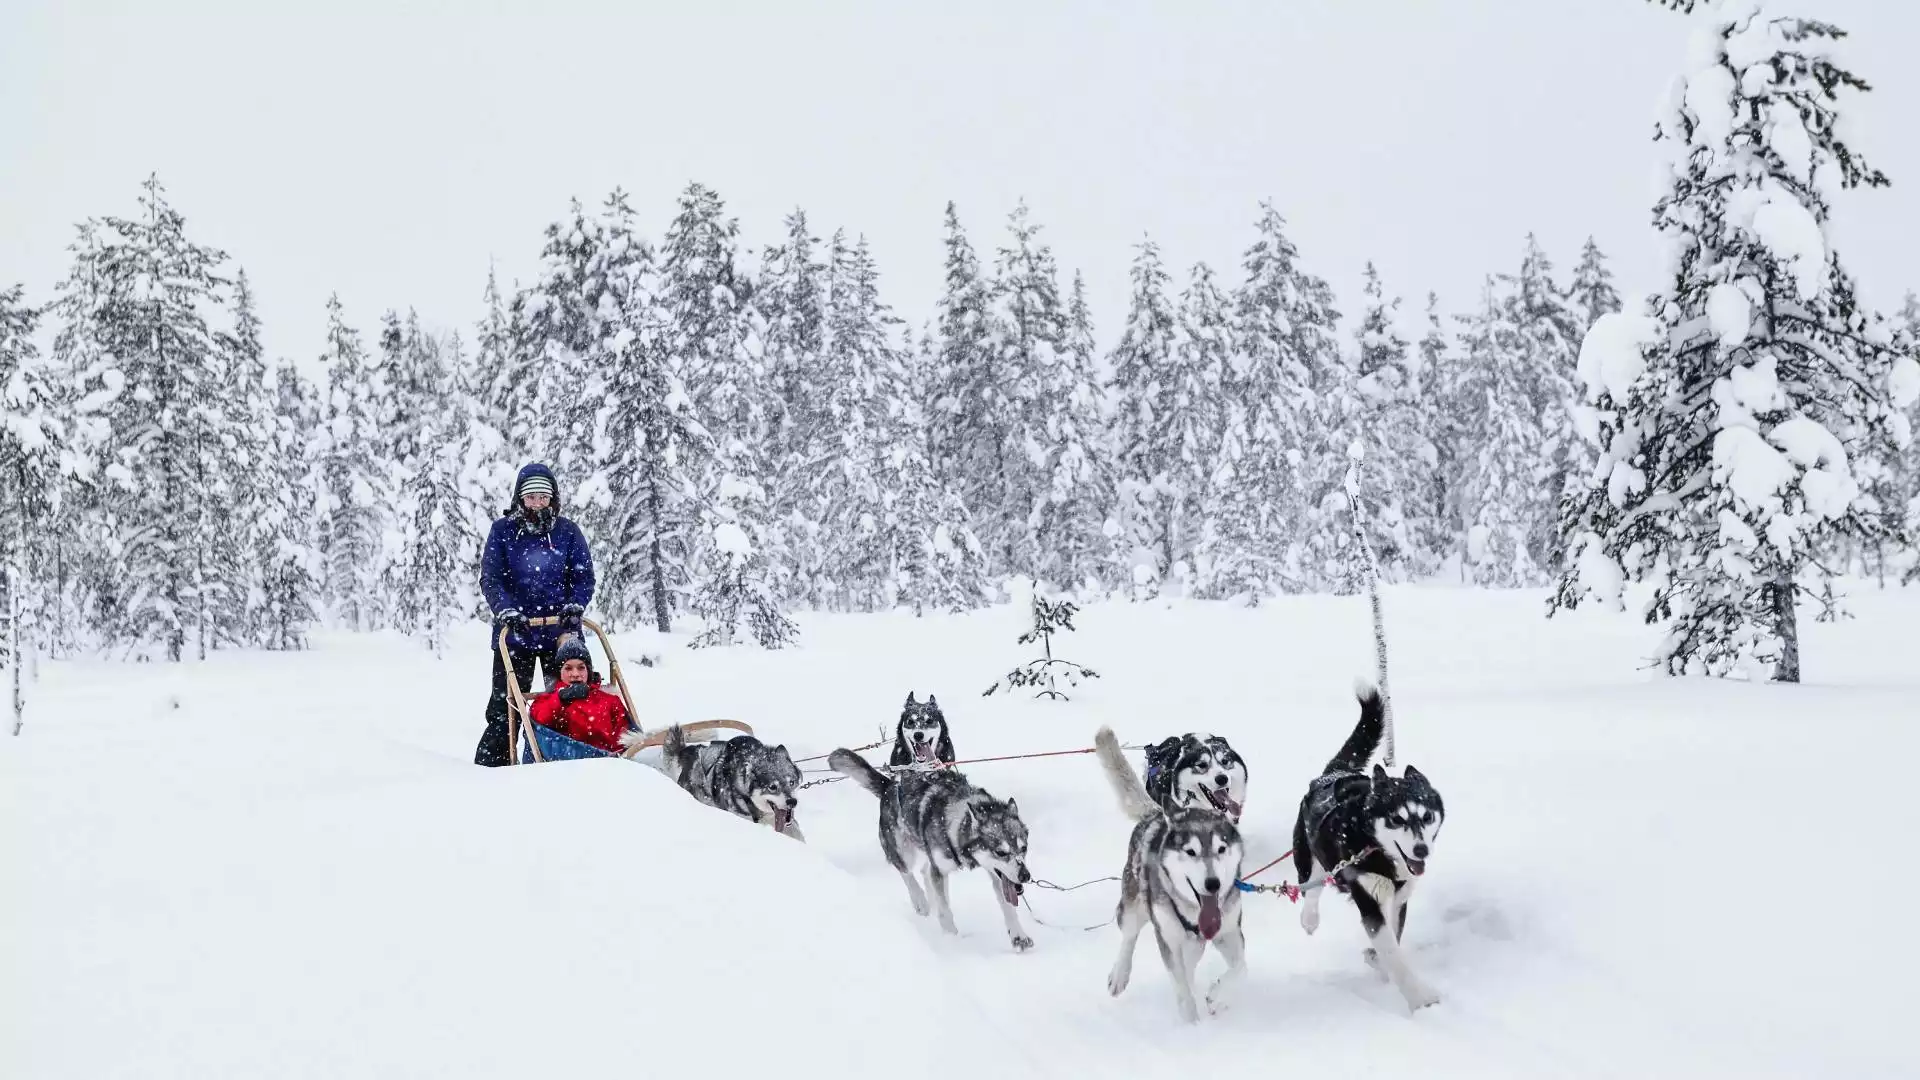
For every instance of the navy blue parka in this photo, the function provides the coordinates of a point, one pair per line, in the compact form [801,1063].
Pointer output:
[535,565]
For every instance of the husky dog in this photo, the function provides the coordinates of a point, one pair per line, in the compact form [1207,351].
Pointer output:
[741,775]
[921,736]
[1378,831]
[938,817]
[1182,864]
[1197,769]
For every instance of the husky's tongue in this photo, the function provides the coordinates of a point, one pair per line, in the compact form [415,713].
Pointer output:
[1224,804]
[1011,892]
[782,817]
[923,750]
[1209,921]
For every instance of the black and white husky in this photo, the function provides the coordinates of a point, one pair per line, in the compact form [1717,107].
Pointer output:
[1180,873]
[1197,769]
[741,775]
[1374,834]
[920,737]
[939,818]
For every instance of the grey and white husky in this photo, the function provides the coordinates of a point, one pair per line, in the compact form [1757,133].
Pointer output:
[1374,834]
[1180,873]
[741,775]
[940,819]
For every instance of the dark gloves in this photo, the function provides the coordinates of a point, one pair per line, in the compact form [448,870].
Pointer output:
[512,619]
[570,618]
[573,611]
[575,692]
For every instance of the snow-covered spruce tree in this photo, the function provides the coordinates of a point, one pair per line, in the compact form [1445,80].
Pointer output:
[1167,372]
[353,507]
[1497,494]
[714,331]
[938,563]
[1539,332]
[32,440]
[789,300]
[420,421]
[1744,423]
[1592,293]
[565,343]
[1397,475]
[1074,521]
[433,556]
[1041,454]
[961,426]
[856,434]
[416,409]
[656,446]
[154,289]
[83,589]
[1138,360]
[1260,503]
[482,472]
[290,563]
[1437,388]
[505,379]
[245,546]
[735,580]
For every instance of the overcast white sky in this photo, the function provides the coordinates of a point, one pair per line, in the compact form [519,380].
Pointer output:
[389,150]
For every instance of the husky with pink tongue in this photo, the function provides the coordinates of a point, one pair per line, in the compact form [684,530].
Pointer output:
[938,820]
[1180,874]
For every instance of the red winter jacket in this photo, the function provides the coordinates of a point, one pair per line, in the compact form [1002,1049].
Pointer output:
[597,719]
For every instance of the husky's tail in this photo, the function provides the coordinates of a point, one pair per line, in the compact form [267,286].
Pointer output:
[673,754]
[1360,745]
[1125,782]
[860,771]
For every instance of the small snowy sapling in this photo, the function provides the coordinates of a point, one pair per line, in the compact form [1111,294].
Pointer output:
[1048,618]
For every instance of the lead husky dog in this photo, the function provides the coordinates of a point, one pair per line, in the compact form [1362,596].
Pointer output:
[1378,831]
[1181,869]
[741,775]
[939,818]
[1197,769]
[920,737]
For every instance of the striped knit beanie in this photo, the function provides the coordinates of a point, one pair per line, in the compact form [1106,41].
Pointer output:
[534,485]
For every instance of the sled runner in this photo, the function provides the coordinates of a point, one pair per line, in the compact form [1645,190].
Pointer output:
[534,742]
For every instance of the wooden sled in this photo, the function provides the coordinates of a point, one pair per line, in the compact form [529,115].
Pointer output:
[530,742]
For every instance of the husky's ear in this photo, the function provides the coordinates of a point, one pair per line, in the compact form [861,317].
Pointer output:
[1379,773]
[931,700]
[782,750]
[1415,774]
[910,700]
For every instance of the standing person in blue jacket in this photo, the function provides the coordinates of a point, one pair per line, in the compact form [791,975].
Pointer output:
[535,565]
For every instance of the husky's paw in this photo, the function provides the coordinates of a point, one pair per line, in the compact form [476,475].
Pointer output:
[1217,1002]
[1021,942]
[1117,980]
[1188,1011]
[920,906]
[1309,919]
[1371,958]
[1418,994]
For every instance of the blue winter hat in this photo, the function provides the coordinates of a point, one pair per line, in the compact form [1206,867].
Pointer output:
[573,649]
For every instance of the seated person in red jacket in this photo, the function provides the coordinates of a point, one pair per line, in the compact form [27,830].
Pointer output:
[576,706]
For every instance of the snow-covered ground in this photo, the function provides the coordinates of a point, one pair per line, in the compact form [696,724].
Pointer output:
[285,866]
